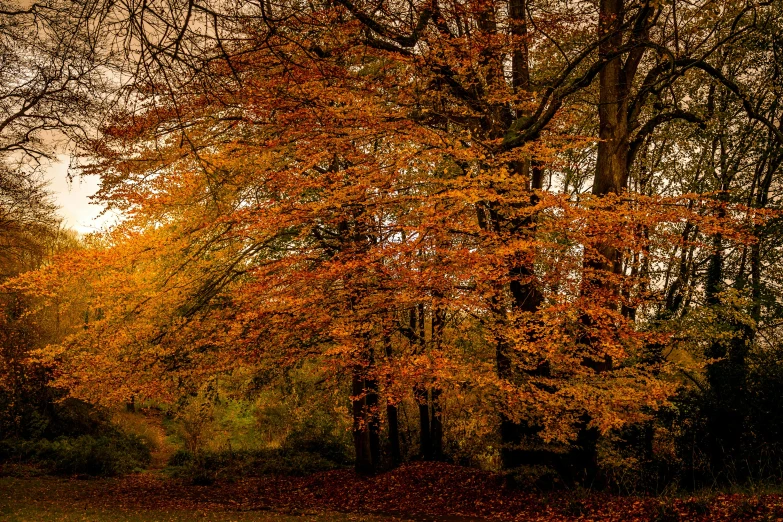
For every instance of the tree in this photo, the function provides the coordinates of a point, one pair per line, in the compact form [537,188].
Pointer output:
[367,189]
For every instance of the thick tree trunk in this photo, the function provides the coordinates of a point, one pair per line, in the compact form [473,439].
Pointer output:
[615,121]
[520,66]
[526,296]
[611,177]
[510,454]
[611,173]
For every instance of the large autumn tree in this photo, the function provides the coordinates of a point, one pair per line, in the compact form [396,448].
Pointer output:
[377,187]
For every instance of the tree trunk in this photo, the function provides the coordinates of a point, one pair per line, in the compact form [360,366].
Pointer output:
[436,427]
[611,177]
[361,429]
[394,434]
[611,173]
[373,421]
[392,415]
[755,279]
[366,424]
[526,296]
[425,441]
[436,422]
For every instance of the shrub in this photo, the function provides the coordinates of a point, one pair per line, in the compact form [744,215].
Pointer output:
[181,458]
[206,467]
[317,438]
[197,425]
[106,455]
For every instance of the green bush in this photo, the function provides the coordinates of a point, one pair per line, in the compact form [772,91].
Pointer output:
[206,467]
[181,458]
[317,438]
[106,455]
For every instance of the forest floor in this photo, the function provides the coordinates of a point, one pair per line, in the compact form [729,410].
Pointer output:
[422,492]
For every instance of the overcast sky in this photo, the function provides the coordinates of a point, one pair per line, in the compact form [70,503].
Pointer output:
[73,198]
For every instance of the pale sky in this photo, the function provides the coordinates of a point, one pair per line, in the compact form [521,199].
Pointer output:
[73,196]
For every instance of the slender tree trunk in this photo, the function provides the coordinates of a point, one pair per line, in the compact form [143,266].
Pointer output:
[366,423]
[361,428]
[762,200]
[723,418]
[712,285]
[755,280]
[727,375]
[392,415]
[436,427]
[436,423]
[416,332]
[373,418]
[394,433]
[425,442]
[421,394]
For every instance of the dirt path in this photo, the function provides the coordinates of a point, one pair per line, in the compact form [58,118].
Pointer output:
[148,424]
[164,449]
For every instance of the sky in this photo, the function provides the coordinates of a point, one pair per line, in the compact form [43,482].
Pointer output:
[73,196]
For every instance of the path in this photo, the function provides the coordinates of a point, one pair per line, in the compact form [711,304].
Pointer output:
[164,449]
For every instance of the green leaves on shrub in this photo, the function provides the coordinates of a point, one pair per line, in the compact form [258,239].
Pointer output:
[205,468]
[106,455]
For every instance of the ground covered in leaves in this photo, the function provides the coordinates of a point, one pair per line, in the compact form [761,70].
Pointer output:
[429,492]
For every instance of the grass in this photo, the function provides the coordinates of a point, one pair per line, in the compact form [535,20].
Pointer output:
[37,499]
[36,513]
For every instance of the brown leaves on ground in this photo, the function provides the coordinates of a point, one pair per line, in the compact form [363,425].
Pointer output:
[422,491]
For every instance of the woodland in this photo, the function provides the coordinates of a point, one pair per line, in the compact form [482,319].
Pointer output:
[485,258]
